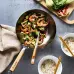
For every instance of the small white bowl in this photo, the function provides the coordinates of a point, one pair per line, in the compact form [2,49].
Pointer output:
[55,59]
[64,37]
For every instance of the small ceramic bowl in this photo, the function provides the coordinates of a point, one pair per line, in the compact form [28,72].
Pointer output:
[55,59]
[62,47]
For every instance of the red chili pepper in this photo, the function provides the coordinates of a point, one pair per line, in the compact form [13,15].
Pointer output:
[64,10]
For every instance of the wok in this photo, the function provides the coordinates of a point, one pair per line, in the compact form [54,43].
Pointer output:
[51,31]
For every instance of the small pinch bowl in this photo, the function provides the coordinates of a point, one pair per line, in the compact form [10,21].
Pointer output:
[55,59]
[62,46]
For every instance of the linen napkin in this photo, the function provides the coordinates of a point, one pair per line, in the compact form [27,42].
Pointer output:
[9,45]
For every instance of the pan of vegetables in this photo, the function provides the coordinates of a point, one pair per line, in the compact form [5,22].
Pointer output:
[32,22]
[29,25]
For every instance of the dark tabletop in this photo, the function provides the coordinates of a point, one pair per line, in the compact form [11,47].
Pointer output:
[10,10]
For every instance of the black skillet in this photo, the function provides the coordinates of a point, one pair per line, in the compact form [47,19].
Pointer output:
[51,31]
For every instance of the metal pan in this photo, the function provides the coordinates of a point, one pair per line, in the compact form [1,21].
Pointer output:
[51,31]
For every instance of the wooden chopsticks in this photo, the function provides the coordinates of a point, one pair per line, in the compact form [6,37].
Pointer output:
[57,65]
[66,46]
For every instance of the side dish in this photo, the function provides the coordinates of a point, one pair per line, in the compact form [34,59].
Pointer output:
[33,24]
[69,40]
[59,6]
[70,43]
[48,66]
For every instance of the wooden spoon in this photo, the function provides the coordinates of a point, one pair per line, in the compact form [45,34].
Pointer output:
[34,51]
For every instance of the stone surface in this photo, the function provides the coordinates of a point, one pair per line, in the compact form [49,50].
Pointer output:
[10,10]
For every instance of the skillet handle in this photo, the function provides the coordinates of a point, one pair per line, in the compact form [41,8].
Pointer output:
[17,60]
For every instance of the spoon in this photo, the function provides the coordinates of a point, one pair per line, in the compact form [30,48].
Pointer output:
[34,51]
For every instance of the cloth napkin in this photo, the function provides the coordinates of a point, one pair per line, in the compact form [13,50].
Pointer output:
[9,46]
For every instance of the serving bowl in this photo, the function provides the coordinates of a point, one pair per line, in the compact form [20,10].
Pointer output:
[50,57]
[62,46]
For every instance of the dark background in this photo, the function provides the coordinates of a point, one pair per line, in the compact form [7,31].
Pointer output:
[10,10]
